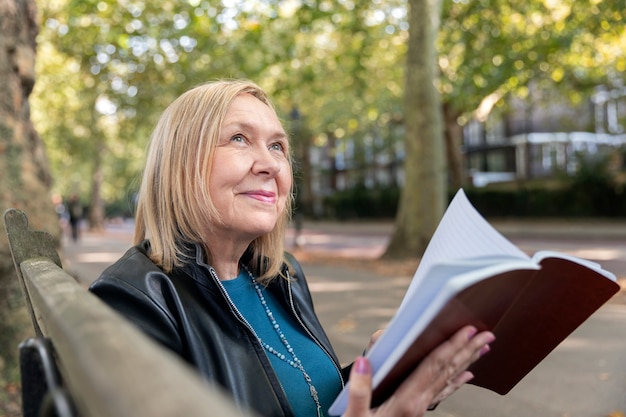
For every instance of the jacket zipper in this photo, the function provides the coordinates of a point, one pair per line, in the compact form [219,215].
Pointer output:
[241,318]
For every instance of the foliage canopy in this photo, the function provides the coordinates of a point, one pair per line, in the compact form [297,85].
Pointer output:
[107,68]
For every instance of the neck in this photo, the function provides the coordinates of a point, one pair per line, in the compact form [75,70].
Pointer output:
[227,255]
[227,272]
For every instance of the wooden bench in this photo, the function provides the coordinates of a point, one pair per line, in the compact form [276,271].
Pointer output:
[87,360]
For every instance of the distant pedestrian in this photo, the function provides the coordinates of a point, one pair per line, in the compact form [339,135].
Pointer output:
[75,210]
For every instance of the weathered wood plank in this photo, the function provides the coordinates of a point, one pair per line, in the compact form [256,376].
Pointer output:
[111,368]
[26,243]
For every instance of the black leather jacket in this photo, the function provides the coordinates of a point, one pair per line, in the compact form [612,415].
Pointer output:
[189,312]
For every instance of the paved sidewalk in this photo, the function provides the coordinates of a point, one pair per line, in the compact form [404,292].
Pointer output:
[584,377]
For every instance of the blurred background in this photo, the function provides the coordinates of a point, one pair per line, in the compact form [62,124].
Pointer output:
[392,105]
[532,96]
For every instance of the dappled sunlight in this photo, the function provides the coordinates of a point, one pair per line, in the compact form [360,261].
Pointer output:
[360,252]
[97,257]
[600,254]
[316,239]
[345,325]
[335,286]
[343,246]
[356,252]
[575,343]
[379,312]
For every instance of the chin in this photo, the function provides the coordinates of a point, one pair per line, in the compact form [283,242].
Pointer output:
[263,228]
[259,222]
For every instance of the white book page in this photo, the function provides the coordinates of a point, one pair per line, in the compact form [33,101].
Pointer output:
[539,256]
[462,234]
[443,281]
[464,249]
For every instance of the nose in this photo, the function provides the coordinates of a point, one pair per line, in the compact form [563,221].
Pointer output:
[266,163]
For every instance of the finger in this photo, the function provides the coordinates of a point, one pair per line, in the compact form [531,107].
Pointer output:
[468,353]
[359,389]
[453,385]
[442,366]
[374,338]
[465,376]
[466,346]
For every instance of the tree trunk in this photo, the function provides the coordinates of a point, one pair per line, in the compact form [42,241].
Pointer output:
[24,169]
[453,134]
[423,197]
[96,203]
[95,210]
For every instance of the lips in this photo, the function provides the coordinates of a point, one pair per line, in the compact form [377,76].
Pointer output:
[263,196]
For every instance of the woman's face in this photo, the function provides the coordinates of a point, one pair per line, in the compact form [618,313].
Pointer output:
[250,179]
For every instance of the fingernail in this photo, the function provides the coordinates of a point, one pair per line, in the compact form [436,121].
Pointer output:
[362,366]
[471,333]
[485,350]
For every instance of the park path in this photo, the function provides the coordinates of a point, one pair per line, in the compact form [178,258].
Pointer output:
[356,295]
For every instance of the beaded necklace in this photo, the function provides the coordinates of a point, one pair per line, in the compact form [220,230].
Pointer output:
[294,361]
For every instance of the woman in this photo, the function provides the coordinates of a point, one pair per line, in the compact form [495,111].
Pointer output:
[208,277]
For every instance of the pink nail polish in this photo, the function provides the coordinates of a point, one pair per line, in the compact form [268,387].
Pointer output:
[485,350]
[362,366]
[471,334]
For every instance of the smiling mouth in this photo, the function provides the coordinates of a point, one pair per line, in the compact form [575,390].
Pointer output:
[263,196]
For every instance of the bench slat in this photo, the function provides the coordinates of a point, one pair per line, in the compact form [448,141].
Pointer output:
[26,243]
[111,368]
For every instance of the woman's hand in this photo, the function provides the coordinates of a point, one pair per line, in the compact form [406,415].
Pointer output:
[374,338]
[441,373]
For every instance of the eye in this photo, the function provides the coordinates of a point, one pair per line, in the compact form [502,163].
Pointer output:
[237,138]
[277,146]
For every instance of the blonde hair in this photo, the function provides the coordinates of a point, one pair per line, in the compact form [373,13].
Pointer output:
[174,206]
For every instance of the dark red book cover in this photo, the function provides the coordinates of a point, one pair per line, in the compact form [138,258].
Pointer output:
[471,274]
[529,311]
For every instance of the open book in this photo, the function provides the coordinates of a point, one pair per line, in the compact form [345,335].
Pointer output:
[471,274]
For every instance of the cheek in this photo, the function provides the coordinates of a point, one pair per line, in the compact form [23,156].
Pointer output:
[213,184]
[224,174]
[284,181]
[218,185]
